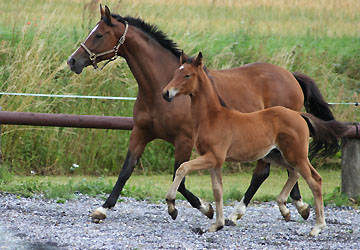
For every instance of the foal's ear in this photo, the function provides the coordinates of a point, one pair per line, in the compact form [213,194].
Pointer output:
[183,58]
[107,14]
[102,13]
[198,61]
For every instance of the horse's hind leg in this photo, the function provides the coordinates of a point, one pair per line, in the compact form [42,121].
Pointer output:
[314,181]
[183,150]
[217,187]
[281,199]
[261,172]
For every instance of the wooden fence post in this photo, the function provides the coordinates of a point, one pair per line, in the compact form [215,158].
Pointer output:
[0,140]
[350,167]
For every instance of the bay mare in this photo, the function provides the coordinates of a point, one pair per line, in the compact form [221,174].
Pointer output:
[152,59]
[223,134]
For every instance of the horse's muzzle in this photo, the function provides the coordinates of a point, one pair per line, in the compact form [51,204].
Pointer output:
[166,96]
[76,66]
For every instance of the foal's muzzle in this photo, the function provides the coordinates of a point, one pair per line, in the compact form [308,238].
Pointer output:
[166,96]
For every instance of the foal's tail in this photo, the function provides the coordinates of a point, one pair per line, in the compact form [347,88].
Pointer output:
[313,100]
[325,135]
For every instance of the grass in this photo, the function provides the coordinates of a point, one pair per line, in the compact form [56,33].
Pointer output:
[320,39]
[153,188]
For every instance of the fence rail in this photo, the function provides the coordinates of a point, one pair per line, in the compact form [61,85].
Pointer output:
[350,159]
[65,120]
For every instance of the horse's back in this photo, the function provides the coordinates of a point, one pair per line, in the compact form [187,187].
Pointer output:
[257,86]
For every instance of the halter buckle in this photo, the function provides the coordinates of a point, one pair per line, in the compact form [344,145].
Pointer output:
[92,57]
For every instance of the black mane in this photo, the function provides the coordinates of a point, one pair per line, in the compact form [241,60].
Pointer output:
[150,29]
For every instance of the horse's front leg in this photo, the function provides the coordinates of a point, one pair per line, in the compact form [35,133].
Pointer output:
[138,141]
[183,150]
[260,173]
[200,163]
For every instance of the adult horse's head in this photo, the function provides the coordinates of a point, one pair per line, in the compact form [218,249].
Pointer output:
[103,43]
[185,79]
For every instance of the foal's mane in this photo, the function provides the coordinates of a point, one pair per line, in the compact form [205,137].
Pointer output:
[150,29]
[222,102]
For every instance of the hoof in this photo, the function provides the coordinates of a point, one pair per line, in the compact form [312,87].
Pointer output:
[317,229]
[305,212]
[174,214]
[98,215]
[287,217]
[215,228]
[210,212]
[198,231]
[229,223]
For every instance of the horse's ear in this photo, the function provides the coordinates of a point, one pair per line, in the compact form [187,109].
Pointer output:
[198,61]
[183,58]
[107,14]
[102,13]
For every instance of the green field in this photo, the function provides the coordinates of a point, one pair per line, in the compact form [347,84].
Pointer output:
[318,38]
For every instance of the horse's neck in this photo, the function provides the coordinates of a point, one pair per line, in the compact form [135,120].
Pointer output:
[151,64]
[205,103]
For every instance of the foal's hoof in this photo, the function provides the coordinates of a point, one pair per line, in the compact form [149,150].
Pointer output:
[174,214]
[98,215]
[198,230]
[287,217]
[215,228]
[305,211]
[229,223]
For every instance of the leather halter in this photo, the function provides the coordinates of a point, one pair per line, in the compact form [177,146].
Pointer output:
[93,56]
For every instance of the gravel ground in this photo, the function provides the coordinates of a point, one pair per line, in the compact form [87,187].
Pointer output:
[35,223]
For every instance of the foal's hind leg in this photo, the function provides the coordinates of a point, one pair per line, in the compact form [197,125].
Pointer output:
[302,207]
[260,174]
[183,150]
[314,181]
[281,199]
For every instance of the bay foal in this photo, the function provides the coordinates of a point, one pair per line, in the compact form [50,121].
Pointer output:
[223,134]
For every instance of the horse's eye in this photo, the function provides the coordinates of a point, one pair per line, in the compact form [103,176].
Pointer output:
[98,35]
[187,76]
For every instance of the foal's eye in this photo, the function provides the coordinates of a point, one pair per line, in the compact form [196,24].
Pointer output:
[187,76]
[98,35]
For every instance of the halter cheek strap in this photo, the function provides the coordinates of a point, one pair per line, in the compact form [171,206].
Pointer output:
[93,56]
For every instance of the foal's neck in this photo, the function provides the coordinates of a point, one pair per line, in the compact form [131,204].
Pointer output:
[205,103]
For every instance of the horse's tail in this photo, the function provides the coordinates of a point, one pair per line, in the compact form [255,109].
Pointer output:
[313,100]
[325,135]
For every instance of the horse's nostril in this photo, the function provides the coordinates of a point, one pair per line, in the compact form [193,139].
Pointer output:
[71,61]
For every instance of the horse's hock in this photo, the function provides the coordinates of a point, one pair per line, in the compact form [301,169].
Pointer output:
[350,167]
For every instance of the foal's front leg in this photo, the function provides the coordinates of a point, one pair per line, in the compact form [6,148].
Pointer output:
[216,179]
[203,162]
[183,148]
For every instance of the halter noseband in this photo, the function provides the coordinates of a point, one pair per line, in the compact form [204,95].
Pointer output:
[93,56]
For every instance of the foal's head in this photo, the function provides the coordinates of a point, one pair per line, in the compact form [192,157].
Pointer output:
[185,80]
[100,44]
